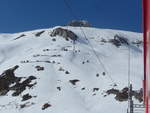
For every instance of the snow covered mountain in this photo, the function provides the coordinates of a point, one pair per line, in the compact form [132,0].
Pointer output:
[49,74]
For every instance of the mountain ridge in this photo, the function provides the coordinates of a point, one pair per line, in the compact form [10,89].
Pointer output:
[71,79]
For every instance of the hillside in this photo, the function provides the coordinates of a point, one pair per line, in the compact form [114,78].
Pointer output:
[49,76]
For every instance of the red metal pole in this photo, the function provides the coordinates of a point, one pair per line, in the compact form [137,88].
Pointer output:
[146,22]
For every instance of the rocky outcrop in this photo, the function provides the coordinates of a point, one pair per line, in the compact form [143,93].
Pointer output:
[18,88]
[122,95]
[46,105]
[73,82]
[81,23]
[39,68]
[119,40]
[7,78]
[39,33]
[20,36]
[26,97]
[67,34]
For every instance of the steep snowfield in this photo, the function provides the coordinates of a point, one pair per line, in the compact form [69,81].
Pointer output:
[53,83]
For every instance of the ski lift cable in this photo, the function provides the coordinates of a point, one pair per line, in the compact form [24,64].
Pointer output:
[71,12]
[99,60]
[70,9]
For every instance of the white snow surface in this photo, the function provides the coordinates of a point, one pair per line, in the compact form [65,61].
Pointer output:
[71,98]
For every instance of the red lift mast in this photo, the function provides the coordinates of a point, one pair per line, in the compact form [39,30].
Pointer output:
[146,23]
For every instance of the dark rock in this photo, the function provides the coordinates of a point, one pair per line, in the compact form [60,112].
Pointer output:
[6,79]
[67,72]
[95,89]
[46,49]
[73,82]
[54,39]
[138,95]
[83,88]
[20,87]
[122,95]
[114,85]
[26,97]
[39,33]
[20,36]
[39,68]
[115,42]
[94,94]
[87,61]
[122,39]
[103,73]
[32,78]
[45,106]
[97,75]
[22,106]
[27,104]
[59,88]
[48,61]
[138,42]
[61,69]
[4,92]
[112,91]
[65,49]
[56,55]
[67,34]
[81,23]
[119,40]
[124,89]
[53,62]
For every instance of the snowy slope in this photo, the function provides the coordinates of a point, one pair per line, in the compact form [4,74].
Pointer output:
[53,83]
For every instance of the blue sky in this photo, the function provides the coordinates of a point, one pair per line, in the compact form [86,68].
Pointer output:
[24,15]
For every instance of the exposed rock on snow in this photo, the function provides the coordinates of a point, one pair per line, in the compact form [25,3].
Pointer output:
[118,40]
[8,77]
[20,36]
[39,33]
[25,105]
[45,106]
[122,95]
[26,97]
[39,68]
[20,87]
[59,88]
[95,89]
[138,43]
[67,34]
[67,72]
[73,82]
